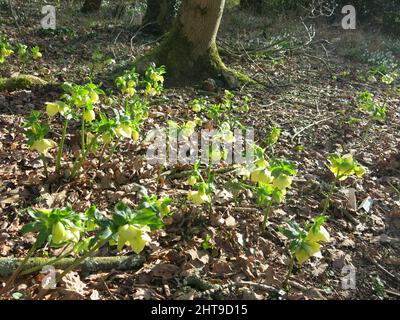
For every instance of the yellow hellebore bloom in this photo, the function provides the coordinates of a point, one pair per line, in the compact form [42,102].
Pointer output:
[261,176]
[37,55]
[282,182]
[89,116]
[156,77]
[135,135]
[124,130]
[59,233]
[306,251]
[261,163]
[191,181]
[129,91]
[321,236]
[52,108]
[89,137]
[196,107]
[198,197]
[134,236]
[43,145]
[73,235]
[150,90]
[94,96]
[106,137]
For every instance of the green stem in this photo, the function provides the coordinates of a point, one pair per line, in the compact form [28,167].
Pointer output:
[290,270]
[50,262]
[61,146]
[329,196]
[83,135]
[46,171]
[18,270]
[267,212]
[111,153]
[78,261]
[79,162]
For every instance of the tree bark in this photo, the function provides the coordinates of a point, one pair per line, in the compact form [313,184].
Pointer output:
[91,6]
[189,51]
[159,16]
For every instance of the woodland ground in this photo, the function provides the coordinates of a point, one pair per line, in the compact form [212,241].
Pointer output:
[311,88]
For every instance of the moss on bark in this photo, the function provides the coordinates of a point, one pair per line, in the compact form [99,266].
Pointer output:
[95,264]
[185,67]
[21,82]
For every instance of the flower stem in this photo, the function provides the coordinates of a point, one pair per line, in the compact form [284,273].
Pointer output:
[46,171]
[111,154]
[61,147]
[18,270]
[329,196]
[83,136]
[267,212]
[78,163]
[290,270]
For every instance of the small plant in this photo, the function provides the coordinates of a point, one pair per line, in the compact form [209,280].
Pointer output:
[36,54]
[5,49]
[342,167]
[203,188]
[376,110]
[207,243]
[272,178]
[22,52]
[304,243]
[228,110]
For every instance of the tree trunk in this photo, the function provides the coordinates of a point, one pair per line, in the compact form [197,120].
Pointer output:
[159,16]
[91,6]
[189,51]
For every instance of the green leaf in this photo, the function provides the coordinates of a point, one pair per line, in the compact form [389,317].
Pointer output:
[148,217]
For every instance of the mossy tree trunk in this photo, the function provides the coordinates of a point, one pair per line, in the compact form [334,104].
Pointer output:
[91,6]
[159,16]
[189,51]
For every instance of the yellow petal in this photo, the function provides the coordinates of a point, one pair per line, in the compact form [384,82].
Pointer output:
[52,108]
[43,145]
[321,236]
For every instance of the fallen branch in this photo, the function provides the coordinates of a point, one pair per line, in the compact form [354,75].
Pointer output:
[91,265]
[310,126]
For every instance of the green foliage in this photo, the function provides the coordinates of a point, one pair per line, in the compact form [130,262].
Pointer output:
[344,166]
[100,129]
[305,243]
[367,102]
[7,49]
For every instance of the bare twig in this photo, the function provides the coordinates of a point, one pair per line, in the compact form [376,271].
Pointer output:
[310,126]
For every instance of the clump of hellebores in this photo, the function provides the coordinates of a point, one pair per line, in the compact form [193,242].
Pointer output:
[344,166]
[272,178]
[101,129]
[304,243]
[83,234]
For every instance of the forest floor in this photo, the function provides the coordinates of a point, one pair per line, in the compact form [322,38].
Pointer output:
[308,90]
